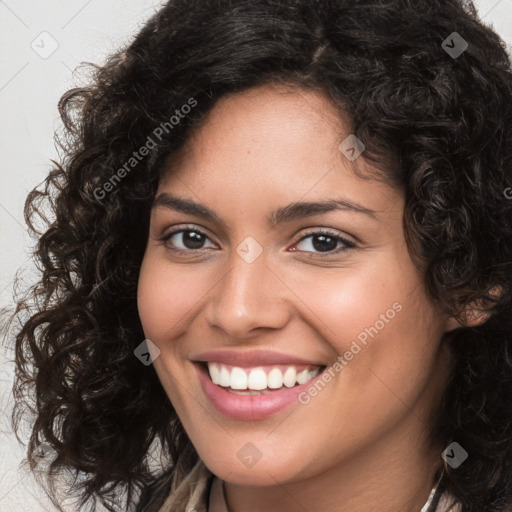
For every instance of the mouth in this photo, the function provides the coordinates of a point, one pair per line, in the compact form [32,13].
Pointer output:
[260,380]
[255,392]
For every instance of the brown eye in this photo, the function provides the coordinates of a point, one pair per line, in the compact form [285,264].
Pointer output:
[185,240]
[325,242]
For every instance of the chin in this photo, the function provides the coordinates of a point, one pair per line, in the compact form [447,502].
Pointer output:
[263,472]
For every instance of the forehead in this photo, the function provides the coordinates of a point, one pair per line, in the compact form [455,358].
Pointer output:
[271,142]
[271,115]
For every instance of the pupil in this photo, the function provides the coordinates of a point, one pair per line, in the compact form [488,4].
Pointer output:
[321,246]
[192,240]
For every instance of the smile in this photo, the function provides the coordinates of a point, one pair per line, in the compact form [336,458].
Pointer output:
[260,380]
[254,386]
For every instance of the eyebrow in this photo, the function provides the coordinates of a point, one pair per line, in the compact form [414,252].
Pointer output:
[280,215]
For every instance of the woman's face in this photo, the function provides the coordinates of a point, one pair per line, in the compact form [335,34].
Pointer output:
[284,263]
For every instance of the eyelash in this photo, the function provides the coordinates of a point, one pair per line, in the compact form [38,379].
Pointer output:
[348,244]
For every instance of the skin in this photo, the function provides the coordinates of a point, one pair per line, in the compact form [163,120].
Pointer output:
[362,443]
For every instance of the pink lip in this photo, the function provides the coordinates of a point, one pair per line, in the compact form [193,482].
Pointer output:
[254,358]
[249,407]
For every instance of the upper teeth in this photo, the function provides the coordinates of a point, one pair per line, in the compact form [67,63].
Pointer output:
[261,377]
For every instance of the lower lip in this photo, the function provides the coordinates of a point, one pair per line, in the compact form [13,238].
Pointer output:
[250,407]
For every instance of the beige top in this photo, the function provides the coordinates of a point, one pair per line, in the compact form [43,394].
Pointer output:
[201,491]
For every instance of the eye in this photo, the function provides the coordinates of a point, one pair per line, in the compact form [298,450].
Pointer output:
[190,238]
[325,241]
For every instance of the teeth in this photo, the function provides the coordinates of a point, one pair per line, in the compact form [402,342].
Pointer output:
[238,379]
[257,379]
[290,377]
[224,377]
[275,379]
[302,377]
[214,373]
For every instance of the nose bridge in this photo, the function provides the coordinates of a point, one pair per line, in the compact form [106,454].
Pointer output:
[249,295]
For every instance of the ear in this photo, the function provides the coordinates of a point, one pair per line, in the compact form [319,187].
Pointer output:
[475,313]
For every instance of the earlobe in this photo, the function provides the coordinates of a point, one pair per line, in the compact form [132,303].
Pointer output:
[472,316]
[475,313]
[452,323]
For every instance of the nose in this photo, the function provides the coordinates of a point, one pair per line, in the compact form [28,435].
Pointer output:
[250,297]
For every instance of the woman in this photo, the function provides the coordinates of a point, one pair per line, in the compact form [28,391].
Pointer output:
[280,264]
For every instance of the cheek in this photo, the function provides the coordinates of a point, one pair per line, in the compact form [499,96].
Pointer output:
[377,318]
[165,296]
[343,302]
[386,331]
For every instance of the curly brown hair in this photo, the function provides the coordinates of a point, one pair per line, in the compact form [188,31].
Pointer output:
[448,121]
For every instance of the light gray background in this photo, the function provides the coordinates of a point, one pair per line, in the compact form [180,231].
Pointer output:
[31,83]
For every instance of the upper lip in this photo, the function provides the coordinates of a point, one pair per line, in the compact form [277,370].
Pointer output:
[253,358]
